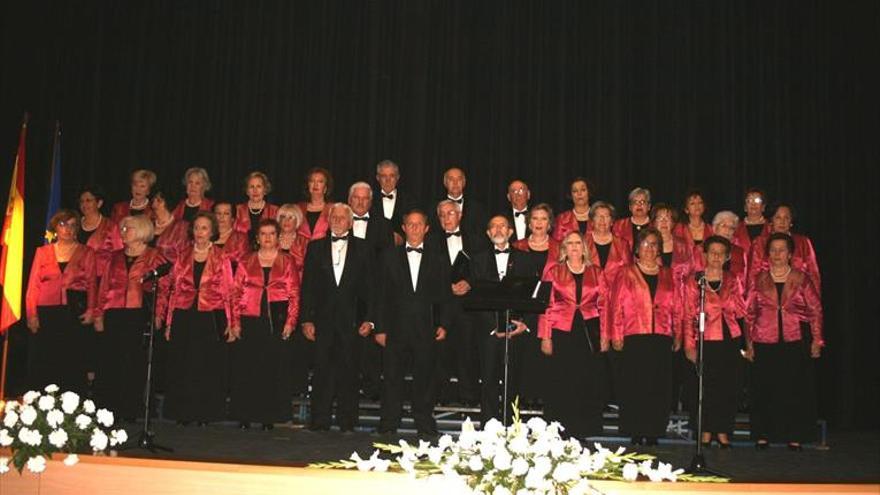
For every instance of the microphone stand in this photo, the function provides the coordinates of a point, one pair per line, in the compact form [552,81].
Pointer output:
[507,331]
[698,462]
[145,440]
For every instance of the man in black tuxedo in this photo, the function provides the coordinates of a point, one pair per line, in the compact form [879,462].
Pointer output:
[336,275]
[518,195]
[494,265]
[473,213]
[459,354]
[376,231]
[414,301]
[390,202]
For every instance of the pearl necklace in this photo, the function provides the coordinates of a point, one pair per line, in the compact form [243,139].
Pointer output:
[161,225]
[780,277]
[270,259]
[572,270]
[88,229]
[257,211]
[647,271]
[141,206]
[192,205]
[203,250]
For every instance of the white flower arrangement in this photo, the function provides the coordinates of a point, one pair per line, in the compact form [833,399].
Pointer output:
[522,459]
[43,423]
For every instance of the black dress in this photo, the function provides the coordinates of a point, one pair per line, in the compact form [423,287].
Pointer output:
[646,378]
[59,350]
[190,212]
[576,394]
[312,218]
[260,388]
[534,374]
[755,230]
[121,369]
[603,250]
[582,226]
[197,356]
[784,405]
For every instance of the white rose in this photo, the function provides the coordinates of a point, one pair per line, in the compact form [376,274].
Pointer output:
[4,465]
[10,419]
[89,406]
[55,418]
[118,437]
[5,438]
[475,464]
[582,487]
[30,437]
[82,421]
[557,449]
[487,451]
[502,460]
[99,440]
[435,454]
[36,464]
[51,388]
[542,466]
[519,445]
[406,463]
[71,460]
[12,405]
[565,472]
[493,427]
[534,480]
[519,467]
[46,403]
[105,417]
[537,425]
[58,438]
[500,490]
[630,472]
[28,415]
[69,402]
[30,396]
[445,442]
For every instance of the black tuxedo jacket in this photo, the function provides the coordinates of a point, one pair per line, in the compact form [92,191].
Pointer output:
[474,216]
[508,212]
[408,312]
[403,203]
[351,302]
[379,234]
[485,268]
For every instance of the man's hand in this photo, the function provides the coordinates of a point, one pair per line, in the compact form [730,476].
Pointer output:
[461,288]
[547,346]
[380,339]
[440,334]
[308,329]
[365,329]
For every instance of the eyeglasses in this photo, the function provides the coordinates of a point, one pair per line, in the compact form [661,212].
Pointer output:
[650,244]
[518,191]
[755,200]
[640,202]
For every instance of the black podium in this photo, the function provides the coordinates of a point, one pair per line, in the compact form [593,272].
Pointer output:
[511,296]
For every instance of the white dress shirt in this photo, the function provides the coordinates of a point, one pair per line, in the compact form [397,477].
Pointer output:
[415,261]
[388,204]
[338,250]
[460,205]
[501,261]
[519,222]
[359,227]
[454,245]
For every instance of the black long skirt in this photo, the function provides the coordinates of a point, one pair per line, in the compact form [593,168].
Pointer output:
[58,352]
[122,362]
[576,394]
[535,367]
[722,372]
[646,378]
[196,374]
[261,380]
[784,394]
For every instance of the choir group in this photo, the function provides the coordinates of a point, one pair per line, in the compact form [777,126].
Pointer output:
[264,302]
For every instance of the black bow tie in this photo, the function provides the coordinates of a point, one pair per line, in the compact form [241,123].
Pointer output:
[364,218]
[387,196]
[518,213]
[502,251]
[410,249]
[459,200]
[450,234]
[333,238]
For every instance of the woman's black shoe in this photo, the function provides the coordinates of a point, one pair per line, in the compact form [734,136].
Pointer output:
[244,426]
[268,426]
[636,441]
[725,445]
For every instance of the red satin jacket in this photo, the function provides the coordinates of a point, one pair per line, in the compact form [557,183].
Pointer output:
[695,252]
[322,226]
[741,235]
[622,228]
[552,251]
[567,222]
[205,205]
[727,304]
[619,255]
[104,241]
[122,209]
[800,303]
[560,312]
[634,313]
[298,252]
[283,286]
[124,289]
[48,286]
[803,258]
[243,216]
[174,240]
[236,248]
[215,288]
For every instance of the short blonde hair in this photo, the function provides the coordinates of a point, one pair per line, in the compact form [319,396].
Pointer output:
[725,215]
[290,209]
[144,174]
[267,185]
[143,227]
[563,257]
[201,173]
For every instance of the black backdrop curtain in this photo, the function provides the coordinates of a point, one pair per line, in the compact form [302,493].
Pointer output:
[669,95]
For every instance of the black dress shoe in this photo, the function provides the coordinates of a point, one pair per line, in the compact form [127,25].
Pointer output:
[244,425]
[650,441]
[725,445]
[319,428]
[795,447]
[268,426]
[762,445]
[636,440]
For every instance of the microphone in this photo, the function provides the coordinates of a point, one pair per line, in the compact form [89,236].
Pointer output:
[158,272]
[700,277]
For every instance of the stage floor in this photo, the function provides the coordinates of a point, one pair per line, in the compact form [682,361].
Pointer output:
[851,457]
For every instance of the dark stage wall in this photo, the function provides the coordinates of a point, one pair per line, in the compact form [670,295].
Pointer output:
[665,94]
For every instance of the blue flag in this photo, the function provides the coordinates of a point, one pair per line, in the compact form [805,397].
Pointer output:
[55,182]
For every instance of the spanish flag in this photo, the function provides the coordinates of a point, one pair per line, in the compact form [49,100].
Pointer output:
[12,241]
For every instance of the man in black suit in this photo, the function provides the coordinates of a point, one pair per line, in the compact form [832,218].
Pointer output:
[376,231]
[414,301]
[494,265]
[518,195]
[336,275]
[390,202]
[473,212]
[459,354]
